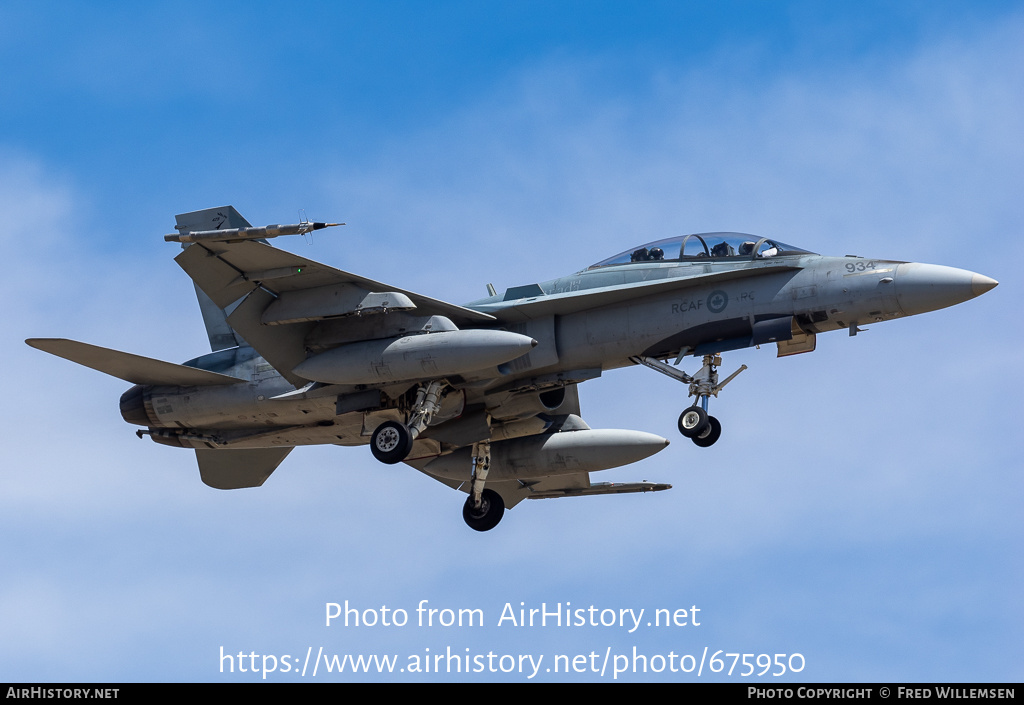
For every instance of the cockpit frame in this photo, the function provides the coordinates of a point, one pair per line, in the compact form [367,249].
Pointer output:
[725,246]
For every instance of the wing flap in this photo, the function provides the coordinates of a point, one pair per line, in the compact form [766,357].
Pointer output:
[213,275]
[281,346]
[131,368]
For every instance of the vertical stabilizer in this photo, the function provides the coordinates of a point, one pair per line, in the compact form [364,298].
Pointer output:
[220,333]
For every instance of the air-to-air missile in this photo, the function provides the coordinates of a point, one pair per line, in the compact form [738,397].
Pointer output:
[251,233]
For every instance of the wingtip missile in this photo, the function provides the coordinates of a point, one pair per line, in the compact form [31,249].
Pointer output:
[251,233]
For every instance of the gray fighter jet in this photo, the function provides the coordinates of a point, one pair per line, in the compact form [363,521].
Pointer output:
[481,397]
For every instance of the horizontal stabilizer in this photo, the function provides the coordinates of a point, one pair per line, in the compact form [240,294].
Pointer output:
[235,469]
[131,368]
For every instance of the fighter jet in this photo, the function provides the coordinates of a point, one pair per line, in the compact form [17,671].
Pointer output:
[482,397]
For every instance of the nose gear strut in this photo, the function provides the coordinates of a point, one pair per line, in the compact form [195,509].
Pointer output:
[694,422]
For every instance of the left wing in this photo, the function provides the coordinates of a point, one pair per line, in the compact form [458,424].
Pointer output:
[287,297]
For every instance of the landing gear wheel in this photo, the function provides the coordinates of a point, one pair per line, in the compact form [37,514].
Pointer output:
[492,507]
[710,434]
[391,442]
[693,422]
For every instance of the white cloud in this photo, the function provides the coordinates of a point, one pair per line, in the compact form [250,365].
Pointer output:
[906,160]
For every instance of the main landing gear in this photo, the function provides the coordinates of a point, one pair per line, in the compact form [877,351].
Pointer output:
[484,508]
[694,422]
[392,441]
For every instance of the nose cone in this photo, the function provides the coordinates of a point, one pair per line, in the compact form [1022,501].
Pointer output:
[929,287]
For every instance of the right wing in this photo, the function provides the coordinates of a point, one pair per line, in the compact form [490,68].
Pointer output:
[564,419]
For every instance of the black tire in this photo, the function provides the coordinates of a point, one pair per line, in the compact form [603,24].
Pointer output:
[693,422]
[487,517]
[391,442]
[710,435]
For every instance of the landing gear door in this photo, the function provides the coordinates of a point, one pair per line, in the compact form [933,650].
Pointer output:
[801,342]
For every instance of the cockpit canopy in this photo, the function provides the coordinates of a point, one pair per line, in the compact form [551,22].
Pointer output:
[704,247]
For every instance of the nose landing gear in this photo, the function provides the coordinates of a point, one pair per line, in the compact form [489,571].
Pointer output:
[694,422]
[699,427]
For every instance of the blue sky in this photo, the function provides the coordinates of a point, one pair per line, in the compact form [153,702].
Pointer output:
[862,507]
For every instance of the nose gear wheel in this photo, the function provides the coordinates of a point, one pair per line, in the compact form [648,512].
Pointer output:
[708,436]
[694,422]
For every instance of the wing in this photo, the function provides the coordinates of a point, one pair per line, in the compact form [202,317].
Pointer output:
[445,454]
[290,301]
